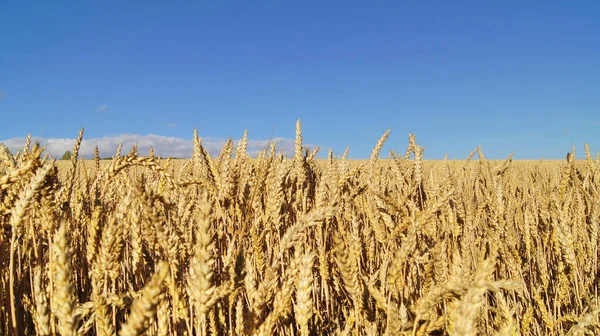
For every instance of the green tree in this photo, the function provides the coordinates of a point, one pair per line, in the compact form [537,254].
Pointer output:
[66,156]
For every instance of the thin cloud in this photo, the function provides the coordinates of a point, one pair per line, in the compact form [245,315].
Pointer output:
[163,146]
[173,125]
[101,108]
[2,93]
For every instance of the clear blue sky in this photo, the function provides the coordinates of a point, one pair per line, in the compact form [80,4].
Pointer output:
[512,76]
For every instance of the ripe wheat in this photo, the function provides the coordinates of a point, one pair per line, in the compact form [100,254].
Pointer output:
[231,245]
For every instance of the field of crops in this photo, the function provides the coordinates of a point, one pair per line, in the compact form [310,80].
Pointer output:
[233,245]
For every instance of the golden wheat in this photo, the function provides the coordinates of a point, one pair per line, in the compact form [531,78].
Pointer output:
[230,245]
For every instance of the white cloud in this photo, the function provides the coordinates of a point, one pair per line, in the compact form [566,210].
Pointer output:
[101,108]
[163,146]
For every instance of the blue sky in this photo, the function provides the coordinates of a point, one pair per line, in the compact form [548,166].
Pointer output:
[512,76]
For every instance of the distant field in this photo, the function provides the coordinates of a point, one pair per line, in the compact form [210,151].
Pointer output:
[428,165]
[177,163]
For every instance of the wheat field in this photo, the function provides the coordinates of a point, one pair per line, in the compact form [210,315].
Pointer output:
[233,245]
